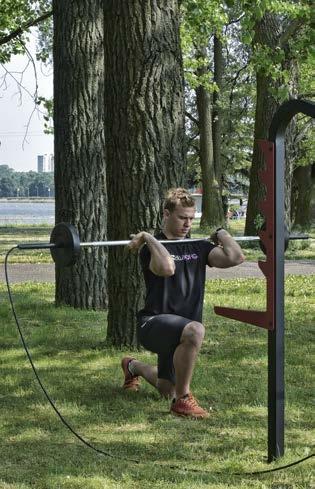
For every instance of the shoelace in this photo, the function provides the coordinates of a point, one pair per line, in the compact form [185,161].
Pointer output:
[192,401]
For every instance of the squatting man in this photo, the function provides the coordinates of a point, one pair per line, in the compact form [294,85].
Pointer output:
[170,324]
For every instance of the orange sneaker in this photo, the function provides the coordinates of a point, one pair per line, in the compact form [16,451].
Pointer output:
[131,382]
[187,406]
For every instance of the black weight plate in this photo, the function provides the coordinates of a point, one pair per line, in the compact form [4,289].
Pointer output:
[67,242]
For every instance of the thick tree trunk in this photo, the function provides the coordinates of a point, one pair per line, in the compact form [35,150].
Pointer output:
[270,33]
[145,139]
[267,33]
[79,145]
[212,209]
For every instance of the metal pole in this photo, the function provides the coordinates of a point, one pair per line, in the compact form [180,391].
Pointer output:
[92,244]
[276,337]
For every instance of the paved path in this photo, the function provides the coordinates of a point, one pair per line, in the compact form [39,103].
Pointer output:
[46,272]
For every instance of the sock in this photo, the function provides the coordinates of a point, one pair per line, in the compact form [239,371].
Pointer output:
[181,397]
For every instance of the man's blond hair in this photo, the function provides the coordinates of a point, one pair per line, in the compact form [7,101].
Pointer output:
[178,196]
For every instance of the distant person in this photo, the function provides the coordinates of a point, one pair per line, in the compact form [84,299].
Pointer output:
[171,322]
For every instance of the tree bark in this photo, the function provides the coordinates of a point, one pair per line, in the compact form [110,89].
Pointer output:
[80,177]
[212,209]
[302,189]
[271,32]
[267,32]
[218,63]
[145,139]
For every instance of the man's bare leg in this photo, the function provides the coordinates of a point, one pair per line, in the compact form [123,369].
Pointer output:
[185,356]
[149,373]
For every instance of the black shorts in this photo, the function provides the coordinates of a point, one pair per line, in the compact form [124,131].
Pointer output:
[161,334]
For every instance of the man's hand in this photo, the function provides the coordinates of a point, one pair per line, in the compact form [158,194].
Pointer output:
[215,237]
[161,262]
[137,240]
[227,254]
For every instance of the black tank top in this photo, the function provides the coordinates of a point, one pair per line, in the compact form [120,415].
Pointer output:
[182,293]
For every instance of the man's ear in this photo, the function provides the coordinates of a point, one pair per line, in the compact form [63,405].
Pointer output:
[166,213]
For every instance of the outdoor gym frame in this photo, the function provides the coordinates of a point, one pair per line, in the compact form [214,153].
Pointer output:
[273,239]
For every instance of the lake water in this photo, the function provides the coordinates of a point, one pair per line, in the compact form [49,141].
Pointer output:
[27,212]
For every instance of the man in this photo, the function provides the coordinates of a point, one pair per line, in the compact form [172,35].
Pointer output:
[171,322]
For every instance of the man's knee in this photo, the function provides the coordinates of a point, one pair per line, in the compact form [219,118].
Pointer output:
[194,333]
[166,388]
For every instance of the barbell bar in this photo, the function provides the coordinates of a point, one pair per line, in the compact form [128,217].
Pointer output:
[65,243]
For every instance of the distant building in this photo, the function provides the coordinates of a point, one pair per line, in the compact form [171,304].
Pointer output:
[45,163]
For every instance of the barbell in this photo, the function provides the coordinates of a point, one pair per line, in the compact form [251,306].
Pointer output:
[65,243]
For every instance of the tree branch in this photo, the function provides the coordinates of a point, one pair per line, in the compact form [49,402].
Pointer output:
[192,118]
[24,27]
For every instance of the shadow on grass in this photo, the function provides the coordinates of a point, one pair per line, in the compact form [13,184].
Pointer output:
[85,382]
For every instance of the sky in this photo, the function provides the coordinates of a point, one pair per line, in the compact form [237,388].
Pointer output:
[19,145]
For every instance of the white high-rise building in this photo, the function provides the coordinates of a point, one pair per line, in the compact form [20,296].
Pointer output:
[45,163]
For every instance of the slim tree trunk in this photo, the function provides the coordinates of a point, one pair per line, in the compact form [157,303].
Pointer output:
[145,139]
[302,187]
[217,112]
[212,209]
[79,145]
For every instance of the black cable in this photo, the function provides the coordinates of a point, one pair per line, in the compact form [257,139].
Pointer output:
[88,444]
[63,420]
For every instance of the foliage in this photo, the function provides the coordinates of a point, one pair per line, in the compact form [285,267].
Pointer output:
[25,184]
[84,379]
[234,22]
[238,91]
[14,15]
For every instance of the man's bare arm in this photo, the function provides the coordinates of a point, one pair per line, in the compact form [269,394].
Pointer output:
[227,254]
[161,264]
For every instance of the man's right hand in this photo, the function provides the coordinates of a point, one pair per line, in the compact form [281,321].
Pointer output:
[137,240]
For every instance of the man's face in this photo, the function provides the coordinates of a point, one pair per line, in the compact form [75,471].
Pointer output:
[178,223]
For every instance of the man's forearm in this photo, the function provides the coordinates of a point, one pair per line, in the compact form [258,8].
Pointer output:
[161,263]
[230,247]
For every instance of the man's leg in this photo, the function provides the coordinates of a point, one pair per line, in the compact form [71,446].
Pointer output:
[150,374]
[185,356]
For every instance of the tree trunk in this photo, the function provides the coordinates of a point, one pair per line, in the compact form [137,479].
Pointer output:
[270,32]
[80,178]
[302,188]
[212,209]
[217,112]
[266,33]
[291,147]
[145,139]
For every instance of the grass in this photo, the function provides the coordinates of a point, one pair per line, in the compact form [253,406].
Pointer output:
[84,379]
[11,235]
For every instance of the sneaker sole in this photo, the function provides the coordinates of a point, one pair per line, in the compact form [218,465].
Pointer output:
[190,416]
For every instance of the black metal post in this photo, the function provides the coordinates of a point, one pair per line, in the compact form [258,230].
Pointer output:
[276,337]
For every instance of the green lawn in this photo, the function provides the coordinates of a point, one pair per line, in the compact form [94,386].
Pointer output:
[84,379]
[11,235]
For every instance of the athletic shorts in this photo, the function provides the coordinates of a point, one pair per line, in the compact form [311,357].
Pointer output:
[161,334]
